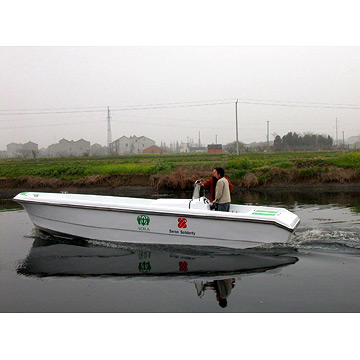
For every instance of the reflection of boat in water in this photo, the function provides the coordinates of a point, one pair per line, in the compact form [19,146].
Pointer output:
[161,221]
[49,257]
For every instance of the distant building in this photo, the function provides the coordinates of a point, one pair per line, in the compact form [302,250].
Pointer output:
[197,148]
[70,148]
[30,149]
[44,152]
[153,149]
[214,148]
[13,150]
[97,150]
[130,145]
[354,141]
[27,150]
[184,147]
[190,147]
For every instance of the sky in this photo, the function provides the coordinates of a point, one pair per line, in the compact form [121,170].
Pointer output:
[171,91]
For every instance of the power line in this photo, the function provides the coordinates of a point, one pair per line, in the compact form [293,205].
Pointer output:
[310,105]
[51,112]
[300,102]
[114,108]
[46,125]
[180,105]
[52,109]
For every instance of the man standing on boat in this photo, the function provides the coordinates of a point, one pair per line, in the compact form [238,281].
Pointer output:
[211,184]
[222,191]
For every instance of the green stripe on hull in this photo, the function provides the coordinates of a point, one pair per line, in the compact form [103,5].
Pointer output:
[265,212]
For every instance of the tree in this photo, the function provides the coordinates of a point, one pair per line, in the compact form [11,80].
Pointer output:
[231,147]
[277,143]
[292,142]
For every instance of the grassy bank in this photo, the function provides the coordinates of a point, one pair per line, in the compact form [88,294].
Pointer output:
[179,170]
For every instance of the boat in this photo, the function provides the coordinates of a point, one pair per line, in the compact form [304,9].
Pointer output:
[157,221]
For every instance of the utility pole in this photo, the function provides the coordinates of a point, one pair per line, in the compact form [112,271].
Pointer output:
[237,138]
[343,140]
[109,137]
[336,127]
[267,136]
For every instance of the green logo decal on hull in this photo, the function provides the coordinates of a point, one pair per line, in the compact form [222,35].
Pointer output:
[143,220]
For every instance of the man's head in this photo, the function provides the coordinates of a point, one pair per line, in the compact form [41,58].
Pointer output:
[219,172]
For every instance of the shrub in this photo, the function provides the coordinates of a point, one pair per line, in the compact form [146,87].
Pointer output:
[309,172]
[113,169]
[257,163]
[161,167]
[284,164]
[239,164]
[238,174]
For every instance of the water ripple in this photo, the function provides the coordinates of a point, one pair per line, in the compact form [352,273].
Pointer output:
[327,239]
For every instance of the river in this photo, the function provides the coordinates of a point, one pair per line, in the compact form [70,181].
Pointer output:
[317,271]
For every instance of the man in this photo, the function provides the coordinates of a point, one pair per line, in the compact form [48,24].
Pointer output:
[211,185]
[222,191]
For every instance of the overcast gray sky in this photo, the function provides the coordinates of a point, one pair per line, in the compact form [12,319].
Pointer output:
[171,93]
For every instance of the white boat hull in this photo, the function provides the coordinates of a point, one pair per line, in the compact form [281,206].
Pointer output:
[154,224]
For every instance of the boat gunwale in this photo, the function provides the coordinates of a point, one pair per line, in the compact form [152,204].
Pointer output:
[163,213]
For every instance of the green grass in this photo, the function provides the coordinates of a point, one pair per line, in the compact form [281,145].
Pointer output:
[346,161]
[309,172]
[237,166]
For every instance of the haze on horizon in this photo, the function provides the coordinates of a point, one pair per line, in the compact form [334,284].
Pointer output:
[172,93]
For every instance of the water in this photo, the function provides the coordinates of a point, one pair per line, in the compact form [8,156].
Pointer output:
[317,271]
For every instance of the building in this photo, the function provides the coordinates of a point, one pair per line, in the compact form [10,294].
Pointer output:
[190,147]
[82,147]
[70,148]
[30,149]
[184,147]
[153,149]
[354,141]
[27,150]
[197,149]
[97,150]
[214,149]
[13,150]
[130,145]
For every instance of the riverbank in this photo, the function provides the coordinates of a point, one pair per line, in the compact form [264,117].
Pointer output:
[184,180]
[180,171]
